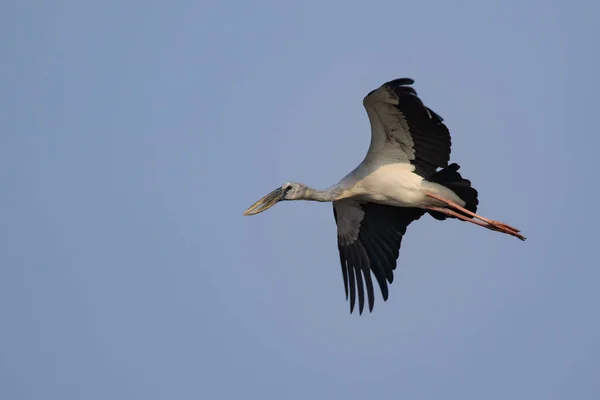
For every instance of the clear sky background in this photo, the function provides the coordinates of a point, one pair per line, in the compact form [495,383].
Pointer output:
[133,134]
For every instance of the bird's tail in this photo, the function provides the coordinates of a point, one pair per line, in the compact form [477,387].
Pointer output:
[450,178]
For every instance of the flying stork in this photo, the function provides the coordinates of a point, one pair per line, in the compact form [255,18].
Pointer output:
[397,182]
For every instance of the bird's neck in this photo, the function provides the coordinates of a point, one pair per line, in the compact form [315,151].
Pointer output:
[327,195]
[318,195]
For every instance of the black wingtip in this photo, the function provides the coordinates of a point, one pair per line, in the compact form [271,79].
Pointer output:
[401,82]
[394,84]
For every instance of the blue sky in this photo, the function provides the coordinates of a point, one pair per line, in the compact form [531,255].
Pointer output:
[134,134]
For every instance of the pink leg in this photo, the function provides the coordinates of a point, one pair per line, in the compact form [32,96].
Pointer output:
[487,223]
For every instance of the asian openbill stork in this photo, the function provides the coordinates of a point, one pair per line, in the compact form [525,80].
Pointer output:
[397,182]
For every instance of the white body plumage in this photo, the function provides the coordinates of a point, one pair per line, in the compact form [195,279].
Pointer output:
[392,184]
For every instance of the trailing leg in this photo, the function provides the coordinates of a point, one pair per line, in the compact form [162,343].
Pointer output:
[456,211]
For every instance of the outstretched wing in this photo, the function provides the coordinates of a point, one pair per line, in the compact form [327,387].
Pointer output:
[369,239]
[404,130]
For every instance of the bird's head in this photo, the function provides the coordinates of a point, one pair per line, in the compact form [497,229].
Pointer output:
[287,191]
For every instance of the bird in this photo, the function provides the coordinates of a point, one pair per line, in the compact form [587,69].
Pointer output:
[405,174]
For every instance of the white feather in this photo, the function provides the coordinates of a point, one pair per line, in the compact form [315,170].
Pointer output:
[390,134]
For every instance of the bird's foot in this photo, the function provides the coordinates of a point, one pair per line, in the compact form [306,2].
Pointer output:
[502,224]
[504,228]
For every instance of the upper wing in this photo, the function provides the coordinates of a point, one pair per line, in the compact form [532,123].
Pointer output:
[369,239]
[403,129]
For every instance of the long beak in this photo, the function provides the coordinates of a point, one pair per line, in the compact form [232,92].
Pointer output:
[265,203]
